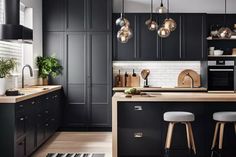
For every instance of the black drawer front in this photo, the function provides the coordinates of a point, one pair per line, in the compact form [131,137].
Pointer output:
[138,115]
[138,142]
[20,126]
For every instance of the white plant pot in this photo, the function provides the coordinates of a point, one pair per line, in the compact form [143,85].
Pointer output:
[2,86]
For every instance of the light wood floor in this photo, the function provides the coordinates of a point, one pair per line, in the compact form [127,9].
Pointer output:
[66,142]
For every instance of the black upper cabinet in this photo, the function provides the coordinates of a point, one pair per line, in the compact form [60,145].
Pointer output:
[99,15]
[148,43]
[194,37]
[125,51]
[171,46]
[54,15]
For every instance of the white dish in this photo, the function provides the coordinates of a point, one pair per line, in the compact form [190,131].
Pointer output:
[218,52]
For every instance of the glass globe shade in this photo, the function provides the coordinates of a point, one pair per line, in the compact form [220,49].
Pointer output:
[163,32]
[122,36]
[161,9]
[170,24]
[148,21]
[128,31]
[224,32]
[153,26]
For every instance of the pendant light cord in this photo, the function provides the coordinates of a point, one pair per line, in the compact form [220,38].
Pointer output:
[151,8]
[168,7]
[123,8]
[225,13]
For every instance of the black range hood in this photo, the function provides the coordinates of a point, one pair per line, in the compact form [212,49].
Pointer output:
[11,30]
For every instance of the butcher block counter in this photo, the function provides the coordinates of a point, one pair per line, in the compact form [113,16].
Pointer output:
[29,92]
[142,115]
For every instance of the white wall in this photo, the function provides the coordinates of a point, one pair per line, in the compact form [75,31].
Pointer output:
[203,6]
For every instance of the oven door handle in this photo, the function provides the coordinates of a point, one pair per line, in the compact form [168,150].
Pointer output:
[221,69]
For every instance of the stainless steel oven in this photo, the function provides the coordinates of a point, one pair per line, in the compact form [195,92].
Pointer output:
[221,75]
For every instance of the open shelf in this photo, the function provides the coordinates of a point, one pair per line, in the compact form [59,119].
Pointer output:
[222,56]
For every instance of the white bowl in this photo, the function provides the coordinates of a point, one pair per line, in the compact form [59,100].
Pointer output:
[218,52]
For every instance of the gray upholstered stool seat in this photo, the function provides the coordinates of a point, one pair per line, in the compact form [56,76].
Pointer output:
[225,116]
[178,116]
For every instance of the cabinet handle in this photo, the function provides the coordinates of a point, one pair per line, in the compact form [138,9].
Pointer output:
[47,98]
[46,125]
[56,96]
[22,119]
[46,112]
[39,115]
[138,135]
[53,119]
[33,102]
[21,106]
[138,108]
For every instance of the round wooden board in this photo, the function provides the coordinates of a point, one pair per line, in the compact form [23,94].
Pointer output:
[185,82]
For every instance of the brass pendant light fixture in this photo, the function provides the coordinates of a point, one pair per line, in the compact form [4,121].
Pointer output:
[168,25]
[161,9]
[125,32]
[225,32]
[151,23]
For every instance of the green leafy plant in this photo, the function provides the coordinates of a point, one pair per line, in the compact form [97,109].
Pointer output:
[48,66]
[6,66]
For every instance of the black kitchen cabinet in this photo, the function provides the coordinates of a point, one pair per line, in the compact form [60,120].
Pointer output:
[194,37]
[54,15]
[24,124]
[171,47]
[187,42]
[148,43]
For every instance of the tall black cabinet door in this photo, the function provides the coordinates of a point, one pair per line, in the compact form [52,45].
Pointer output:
[53,45]
[125,51]
[76,109]
[99,48]
[148,42]
[171,46]
[99,15]
[76,15]
[54,15]
[194,37]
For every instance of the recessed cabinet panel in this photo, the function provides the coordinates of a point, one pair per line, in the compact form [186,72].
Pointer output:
[76,115]
[53,46]
[76,15]
[77,93]
[76,52]
[171,46]
[148,42]
[54,15]
[125,51]
[100,115]
[194,37]
[100,94]
[99,46]
[99,15]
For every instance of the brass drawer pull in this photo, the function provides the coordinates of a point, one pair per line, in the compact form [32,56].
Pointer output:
[138,135]
[138,108]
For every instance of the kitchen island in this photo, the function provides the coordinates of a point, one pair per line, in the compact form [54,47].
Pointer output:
[143,115]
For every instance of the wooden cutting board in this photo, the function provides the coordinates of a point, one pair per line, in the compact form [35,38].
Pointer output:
[184,81]
[135,81]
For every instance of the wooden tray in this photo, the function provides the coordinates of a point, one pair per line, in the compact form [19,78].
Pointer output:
[185,82]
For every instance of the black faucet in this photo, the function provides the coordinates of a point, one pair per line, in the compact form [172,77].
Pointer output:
[31,73]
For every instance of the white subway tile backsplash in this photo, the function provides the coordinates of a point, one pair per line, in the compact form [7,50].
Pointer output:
[163,73]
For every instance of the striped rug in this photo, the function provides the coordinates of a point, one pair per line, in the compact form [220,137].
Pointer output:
[75,155]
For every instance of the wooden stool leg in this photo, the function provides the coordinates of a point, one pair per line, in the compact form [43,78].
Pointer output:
[188,135]
[169,135]
[192,138]
[215,135]
[221,138]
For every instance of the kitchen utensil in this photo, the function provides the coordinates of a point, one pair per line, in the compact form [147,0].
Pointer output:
[134,74]
[234,51]
[118,80]
[145,73]
[184,81]
[218,52]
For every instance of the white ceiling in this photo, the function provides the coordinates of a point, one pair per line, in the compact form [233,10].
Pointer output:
[193,6]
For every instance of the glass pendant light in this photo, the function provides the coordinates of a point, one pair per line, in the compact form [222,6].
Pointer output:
[163,32]
[169,23]
[151,23]
[225,32]
[125,32]
[161,9]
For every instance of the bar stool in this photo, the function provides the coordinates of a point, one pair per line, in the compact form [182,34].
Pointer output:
[221,119]
[185,118]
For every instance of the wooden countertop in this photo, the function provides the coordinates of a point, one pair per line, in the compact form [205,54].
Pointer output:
[29,92]
[177,97]
[161,89]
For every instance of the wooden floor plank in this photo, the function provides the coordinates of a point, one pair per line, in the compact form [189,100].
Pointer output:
[73,142]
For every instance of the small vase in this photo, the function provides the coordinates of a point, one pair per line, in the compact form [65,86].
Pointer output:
[2,86]
[45,81]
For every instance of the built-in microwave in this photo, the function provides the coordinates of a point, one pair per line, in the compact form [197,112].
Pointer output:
[221,75]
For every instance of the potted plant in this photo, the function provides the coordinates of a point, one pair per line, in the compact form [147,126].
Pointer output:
[48,66]
[6,66]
